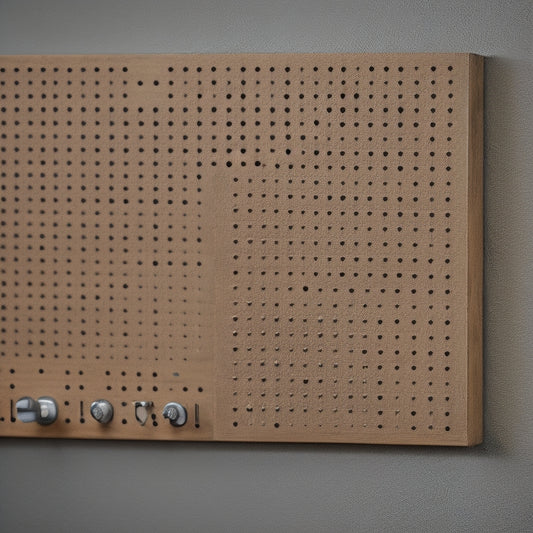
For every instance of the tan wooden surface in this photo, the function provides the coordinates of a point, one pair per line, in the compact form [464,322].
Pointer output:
[294,243]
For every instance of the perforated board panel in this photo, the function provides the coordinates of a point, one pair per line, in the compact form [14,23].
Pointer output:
[288,245]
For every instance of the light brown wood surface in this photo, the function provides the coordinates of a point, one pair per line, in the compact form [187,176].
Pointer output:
[291,243]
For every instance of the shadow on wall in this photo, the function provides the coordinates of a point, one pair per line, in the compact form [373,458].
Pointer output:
[506,239]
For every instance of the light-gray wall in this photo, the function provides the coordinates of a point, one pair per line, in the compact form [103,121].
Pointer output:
[64,486]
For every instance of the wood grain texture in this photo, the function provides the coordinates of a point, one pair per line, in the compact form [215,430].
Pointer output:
[475,252]
[292,243]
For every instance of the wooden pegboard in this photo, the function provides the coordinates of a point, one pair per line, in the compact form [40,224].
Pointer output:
[288,245]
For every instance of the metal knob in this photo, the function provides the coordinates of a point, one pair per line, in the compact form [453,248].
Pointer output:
[176,414]
[43,410]
[102,411]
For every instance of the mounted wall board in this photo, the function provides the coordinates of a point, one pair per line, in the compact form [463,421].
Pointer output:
[289,246]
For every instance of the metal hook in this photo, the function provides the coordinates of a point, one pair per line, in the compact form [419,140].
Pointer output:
[141,411]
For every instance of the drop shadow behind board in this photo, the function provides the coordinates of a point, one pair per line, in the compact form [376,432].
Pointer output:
[288,245]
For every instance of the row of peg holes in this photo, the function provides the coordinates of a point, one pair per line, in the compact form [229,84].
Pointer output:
[107,374]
